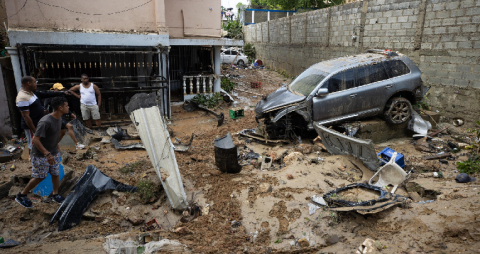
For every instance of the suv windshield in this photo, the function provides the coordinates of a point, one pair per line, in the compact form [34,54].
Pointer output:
[307,81]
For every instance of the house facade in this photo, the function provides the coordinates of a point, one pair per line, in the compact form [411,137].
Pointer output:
[168,46]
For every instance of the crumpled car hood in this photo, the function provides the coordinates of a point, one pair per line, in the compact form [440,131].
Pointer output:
[279,98]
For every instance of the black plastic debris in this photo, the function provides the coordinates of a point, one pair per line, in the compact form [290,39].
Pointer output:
[92,182]
[226,155]
[384,201]
[190,106]
[119,146]
[81,131]
[182,147]
[252,155]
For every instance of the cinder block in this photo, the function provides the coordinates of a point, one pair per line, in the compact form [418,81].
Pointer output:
[471,76]
[454,29]
[407,25]
[429,15]
[475,84]
[455,75]
[412,19]
[443,59]
[408,12]
[447,37]
[451,45]
[473,11]
[464,20]
[476,45]
[457,13]
[448,22]
[426,45]
[461,38]
[397,13]
[465,45]
[435,23]
[396,25]
[402,19]
[467,3]
[461,82]
[442,14]
[464,68]
[452,5]
[449,67]
[469,28]
[438,7]
[440,30]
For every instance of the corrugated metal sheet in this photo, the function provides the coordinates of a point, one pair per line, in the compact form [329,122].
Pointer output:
[154,134]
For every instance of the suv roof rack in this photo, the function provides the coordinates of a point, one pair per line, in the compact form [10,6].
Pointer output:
[386,52]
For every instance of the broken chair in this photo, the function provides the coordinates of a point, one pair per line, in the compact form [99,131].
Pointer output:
[390,174]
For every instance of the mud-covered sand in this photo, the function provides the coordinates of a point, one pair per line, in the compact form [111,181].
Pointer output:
[258,211]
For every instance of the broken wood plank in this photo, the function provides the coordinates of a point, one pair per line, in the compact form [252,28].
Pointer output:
[437,156]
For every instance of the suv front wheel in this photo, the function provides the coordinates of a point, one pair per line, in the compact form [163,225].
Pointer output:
[398,110]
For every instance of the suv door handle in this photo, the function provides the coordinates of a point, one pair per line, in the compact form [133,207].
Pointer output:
[353,95]
[388,86]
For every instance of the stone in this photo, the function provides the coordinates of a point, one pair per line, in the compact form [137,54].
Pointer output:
[135,221]
[5,188]
[26,153]
[81,154]
[14,190]
[265,187]
[303,242]
[304,148]
[331,240]
[415,196]
[290,158]
[289,176]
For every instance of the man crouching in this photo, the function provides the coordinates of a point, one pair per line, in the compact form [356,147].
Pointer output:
[45,152]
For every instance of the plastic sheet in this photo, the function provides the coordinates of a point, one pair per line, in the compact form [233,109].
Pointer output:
[92,182]
[119,146]
[226,155]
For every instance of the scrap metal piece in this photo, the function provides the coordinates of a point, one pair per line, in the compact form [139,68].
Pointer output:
[190,106]
[146,115]
[383,202]
[419,125]
[92,182]
[252,133]
[119,146]
[337,143]
[80,132]
[181,147]
[226,155]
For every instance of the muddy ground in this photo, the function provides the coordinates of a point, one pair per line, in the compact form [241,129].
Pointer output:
[256,211]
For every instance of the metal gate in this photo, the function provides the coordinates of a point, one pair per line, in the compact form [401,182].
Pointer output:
[119,72]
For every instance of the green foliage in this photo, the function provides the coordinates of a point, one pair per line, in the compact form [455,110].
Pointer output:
[292,4]
[278,240]
[472,165]
[146,190]
[250,51]
[207,100]
[234,29]
[284,74]
[227,85]
[131,167]
[423,104]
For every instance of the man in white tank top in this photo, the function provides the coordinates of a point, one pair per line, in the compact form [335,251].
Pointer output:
[89,105]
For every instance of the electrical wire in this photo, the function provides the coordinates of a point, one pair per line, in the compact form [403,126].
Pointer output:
[19,10]
[94,14]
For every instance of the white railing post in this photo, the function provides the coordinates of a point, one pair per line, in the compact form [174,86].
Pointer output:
[184,87]
[191,85]
[204,88]
[210,84]
[198,84]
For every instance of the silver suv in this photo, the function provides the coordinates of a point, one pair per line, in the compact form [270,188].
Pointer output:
[346,88]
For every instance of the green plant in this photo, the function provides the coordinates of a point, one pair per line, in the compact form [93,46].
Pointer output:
[472,165]
[423,104]
[146,190]
[380,246]
[208,101]
[250,51]
[234,29]
[284,74]
[131,167]
[227,84]
[278,240]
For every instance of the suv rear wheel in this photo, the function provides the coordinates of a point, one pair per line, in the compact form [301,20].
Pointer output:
[240,62]
[398,110]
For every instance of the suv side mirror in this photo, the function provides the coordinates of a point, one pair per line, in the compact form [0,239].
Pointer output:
[322,92]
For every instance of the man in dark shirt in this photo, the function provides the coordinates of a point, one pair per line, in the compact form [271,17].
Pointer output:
[46,153]
[31,106]
[57,87]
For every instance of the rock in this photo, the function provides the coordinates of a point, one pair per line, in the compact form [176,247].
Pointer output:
[303,242]
[331,240]
[290,158]
[368,246]
[14,190]
[99,218]
[81,154]
[319,147]
[462,145]
[26,153]
[5,188]
[342,168]
[289,176]
[182,230]
[304,148]
[272,155]
[135,221]
[415,196]
[89,215]
[265,187]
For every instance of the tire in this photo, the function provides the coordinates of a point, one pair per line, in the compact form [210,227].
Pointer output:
[397,110]
[240,62]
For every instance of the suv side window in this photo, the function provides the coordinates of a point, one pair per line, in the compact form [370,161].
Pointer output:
[396,68]
[370,74]
[341,81]
[234,53]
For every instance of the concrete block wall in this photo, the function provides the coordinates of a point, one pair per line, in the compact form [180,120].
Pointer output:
[391,25]
[441,36]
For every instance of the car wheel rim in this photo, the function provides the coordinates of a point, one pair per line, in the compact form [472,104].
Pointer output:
[400,112]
